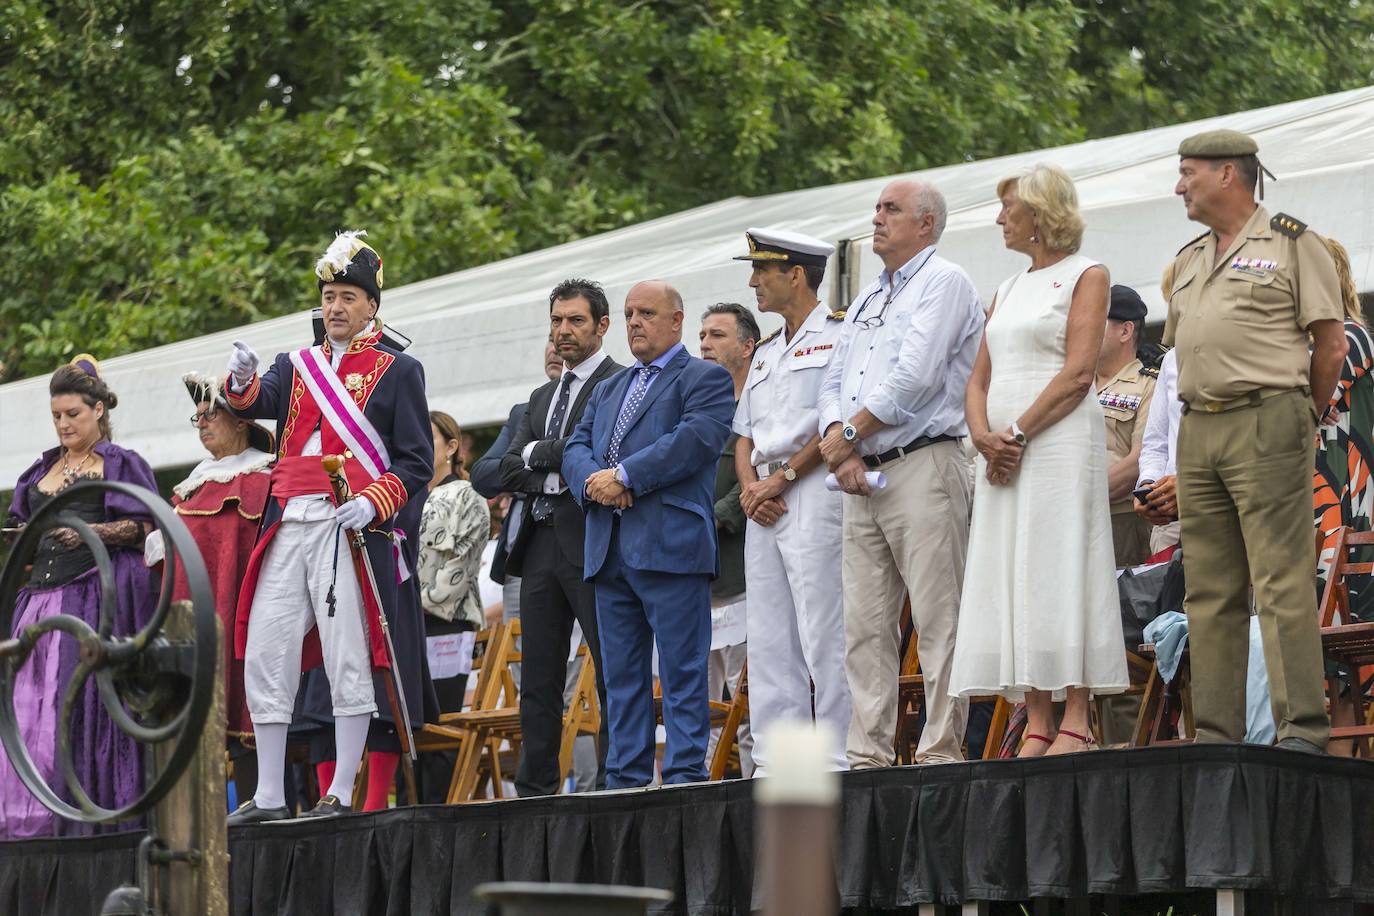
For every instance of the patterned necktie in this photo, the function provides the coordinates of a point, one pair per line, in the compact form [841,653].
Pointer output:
[627,413]
[543,503]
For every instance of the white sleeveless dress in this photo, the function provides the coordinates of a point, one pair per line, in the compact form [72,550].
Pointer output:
[1039,608]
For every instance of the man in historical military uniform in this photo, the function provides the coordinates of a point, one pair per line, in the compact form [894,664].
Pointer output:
[1124,389]
[792,555]
[1246,296]
[302,602]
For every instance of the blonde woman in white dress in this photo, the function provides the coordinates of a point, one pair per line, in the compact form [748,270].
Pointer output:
[1039,618]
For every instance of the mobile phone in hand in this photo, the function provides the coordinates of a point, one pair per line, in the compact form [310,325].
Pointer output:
[1142,494]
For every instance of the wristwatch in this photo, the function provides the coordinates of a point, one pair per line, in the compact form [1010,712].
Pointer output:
[789,473]
[1019,436]
[850,433]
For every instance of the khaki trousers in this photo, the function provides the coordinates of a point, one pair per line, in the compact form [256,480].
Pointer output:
[1245,507]
[909,538]
[1130,539]
[1162,536]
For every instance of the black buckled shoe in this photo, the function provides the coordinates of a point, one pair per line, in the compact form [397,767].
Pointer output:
[250,813]
[328,806]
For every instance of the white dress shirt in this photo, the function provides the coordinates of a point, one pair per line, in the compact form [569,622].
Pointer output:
[553,481]
[777,409]
[906,354]
[1159,446]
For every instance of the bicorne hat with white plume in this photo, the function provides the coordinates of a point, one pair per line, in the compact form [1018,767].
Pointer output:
[351,260]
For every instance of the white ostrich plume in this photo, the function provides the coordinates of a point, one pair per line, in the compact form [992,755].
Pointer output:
[338,255]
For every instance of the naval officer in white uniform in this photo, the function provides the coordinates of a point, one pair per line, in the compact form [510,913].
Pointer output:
[792,553]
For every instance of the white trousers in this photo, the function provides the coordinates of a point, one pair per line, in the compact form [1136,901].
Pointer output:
[796,618]
[290,599]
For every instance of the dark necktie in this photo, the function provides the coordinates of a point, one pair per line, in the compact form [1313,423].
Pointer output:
[543,503]
[627,412]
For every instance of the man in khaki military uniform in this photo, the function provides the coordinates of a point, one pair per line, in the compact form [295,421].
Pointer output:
[1124,389]
[1246,296]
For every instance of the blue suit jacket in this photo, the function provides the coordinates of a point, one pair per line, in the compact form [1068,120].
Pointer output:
[669,453]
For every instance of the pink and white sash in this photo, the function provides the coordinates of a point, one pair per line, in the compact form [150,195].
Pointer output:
[341,411]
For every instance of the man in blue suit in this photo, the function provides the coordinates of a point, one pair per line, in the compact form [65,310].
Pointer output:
[642,465]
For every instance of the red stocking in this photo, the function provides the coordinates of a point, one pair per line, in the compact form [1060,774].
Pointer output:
[381,773]
[324,775]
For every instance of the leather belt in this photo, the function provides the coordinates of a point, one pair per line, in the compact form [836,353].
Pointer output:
[914,445]
[1249,399]
[768,468]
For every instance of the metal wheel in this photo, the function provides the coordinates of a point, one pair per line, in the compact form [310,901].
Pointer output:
[154,689]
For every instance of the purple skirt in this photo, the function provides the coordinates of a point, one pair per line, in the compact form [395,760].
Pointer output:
[108,763]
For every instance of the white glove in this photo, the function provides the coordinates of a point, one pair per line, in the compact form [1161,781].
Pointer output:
[355,514]
[243,363]
[154,551]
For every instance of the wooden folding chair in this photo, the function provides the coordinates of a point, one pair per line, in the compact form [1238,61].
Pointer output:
[491,663]
[1138,671]
[1152,723]
[1347,641]
[737,710]
[583,715]
[495,731]
[911,697]
[911,691]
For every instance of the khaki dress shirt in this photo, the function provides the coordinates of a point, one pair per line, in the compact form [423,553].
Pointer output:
[1239,322]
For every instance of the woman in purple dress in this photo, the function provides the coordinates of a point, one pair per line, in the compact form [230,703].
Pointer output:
[64,580]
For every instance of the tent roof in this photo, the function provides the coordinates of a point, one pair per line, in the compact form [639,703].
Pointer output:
[480,332]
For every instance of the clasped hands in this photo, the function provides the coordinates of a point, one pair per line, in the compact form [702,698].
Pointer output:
[762,500]
[1002,453]
[844,462]
[605,488]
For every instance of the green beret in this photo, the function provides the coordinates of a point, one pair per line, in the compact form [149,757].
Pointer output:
[1218,144]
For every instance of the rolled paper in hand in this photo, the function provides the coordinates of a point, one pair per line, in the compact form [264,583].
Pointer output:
[877,480]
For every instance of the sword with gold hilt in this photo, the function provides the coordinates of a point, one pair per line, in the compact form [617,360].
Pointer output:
[357,546]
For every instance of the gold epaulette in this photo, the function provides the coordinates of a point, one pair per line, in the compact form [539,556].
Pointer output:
[768,338]
[1287,225]
[1151,371]
[836,315]
[1191,242]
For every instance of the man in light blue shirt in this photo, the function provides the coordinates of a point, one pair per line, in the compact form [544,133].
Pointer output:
[893,402]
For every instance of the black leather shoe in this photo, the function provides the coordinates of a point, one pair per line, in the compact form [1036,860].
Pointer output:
[328,806]
[250,813]
[1301,745]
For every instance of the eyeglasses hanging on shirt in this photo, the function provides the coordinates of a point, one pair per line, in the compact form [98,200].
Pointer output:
[876,321]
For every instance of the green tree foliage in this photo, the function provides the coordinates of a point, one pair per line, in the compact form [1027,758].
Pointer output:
[169,168]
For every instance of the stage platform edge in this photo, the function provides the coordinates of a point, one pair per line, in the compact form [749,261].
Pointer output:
[1279,825]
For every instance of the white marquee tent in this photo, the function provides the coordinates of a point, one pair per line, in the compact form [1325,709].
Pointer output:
[480,332]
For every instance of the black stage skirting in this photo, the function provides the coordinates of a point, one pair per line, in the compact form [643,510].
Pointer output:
[1157,820]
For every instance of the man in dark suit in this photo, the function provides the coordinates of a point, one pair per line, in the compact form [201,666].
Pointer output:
[547,550]
[642,463]
[485,477]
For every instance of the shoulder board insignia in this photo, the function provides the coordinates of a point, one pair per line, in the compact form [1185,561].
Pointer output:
[1151,371]
[768,338]
[1191,242]
[1287,225]
[836,315]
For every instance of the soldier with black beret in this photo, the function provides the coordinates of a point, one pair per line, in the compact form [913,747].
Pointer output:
[1255,318]
[1125,386]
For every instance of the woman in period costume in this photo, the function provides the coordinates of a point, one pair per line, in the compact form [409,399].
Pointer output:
[222,503]
[64,580]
